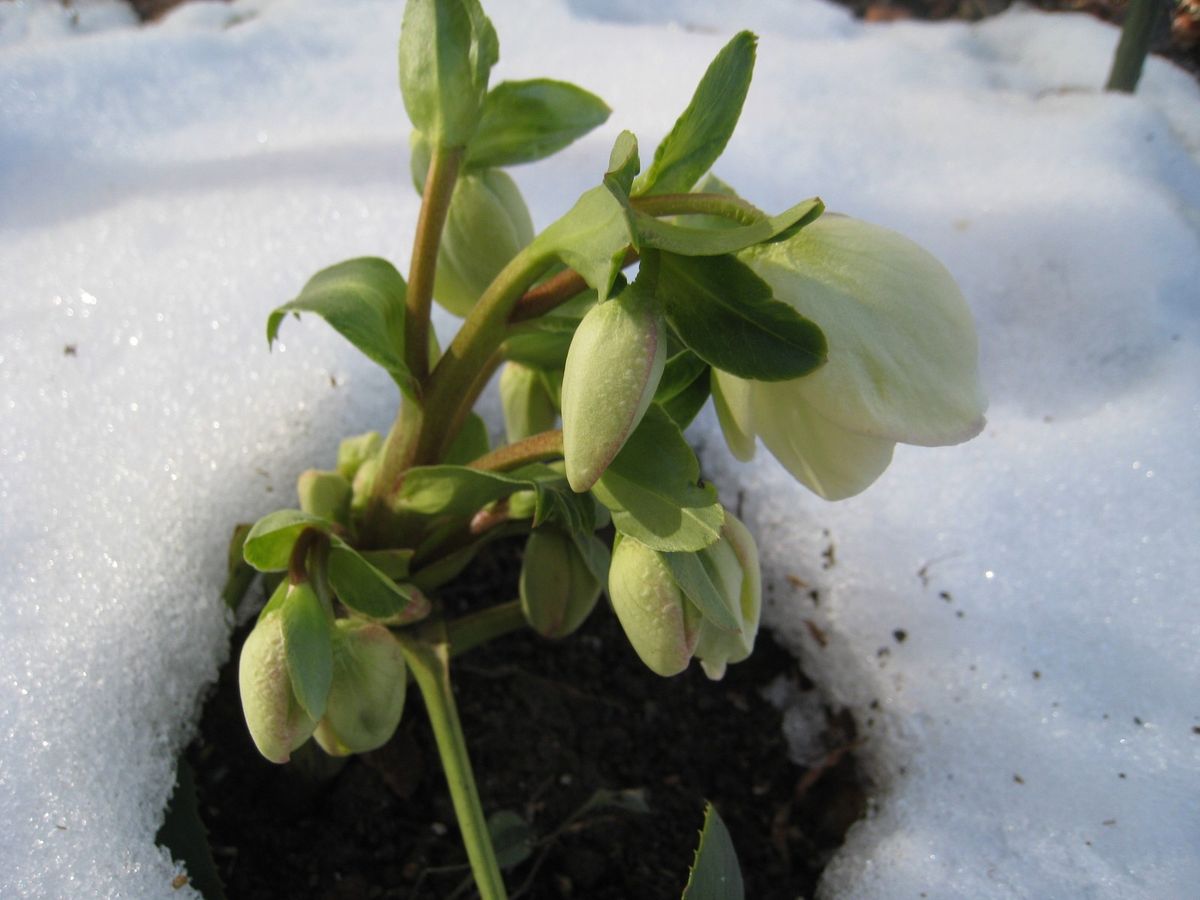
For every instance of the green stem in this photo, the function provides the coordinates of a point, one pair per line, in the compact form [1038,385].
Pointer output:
[449,385]
[536,448]
[429,661]
[435,205]
[488,624]
[1140,21]
[723,205]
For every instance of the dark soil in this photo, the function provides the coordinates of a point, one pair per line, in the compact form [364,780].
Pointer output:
[548,725]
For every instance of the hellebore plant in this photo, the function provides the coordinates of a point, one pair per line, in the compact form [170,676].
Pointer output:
[828,338]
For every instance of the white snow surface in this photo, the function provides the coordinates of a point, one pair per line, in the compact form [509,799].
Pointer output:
[1034,733]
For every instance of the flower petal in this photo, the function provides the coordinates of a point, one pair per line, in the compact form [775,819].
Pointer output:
[829,460]
[903,356]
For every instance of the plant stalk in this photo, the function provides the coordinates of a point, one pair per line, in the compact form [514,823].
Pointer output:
[488,624]
[449,384]
[723,205]
[435,206]
[1140,22]
[429,661]
[536,448]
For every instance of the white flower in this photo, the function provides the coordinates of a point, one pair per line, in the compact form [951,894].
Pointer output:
[903,358]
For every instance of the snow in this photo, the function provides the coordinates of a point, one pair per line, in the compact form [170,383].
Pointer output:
[1034,733]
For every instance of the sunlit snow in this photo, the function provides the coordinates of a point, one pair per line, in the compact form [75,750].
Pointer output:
[1014,622]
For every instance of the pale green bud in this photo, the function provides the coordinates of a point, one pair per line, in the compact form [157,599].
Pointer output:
[528,408]
[558,591]
[613,368]
[488,224]
[522,504]
[366,699]
[661,623]
[324,494]
[277,722]
[356,450]
[903,358]
[733,560]
[364,482]
[447,50]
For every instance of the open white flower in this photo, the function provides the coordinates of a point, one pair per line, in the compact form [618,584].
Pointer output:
[903,358]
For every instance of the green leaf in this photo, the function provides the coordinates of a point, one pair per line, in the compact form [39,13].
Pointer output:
[651,489]
[728,317]
[512,837]
[715,873]
[684,388]
[268,546]
[183,833]
[308,646]
[696,581]
[471,443]
[623,164]
[362,587]
[455,490]
[395,564]
[447,50]
[706,241]
[363,299]
[701,133]
[239,574]
[523,121]
[631,800]
[594,552]
[591,238]
[541,343]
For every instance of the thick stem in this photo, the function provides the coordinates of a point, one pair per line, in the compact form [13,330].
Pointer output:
[488,624]
[429,661]
[554,292]
[723,205]
[538,447]
[435,205]
[449,385]
[467,402]
[1140,21]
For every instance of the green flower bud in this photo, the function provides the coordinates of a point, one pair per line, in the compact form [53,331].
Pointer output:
[364,482]
[447,50]
[277,722]
[903,358]
[558,591]
[661,623]
[488,224]
[733,560]
[366,699]
[522,504]
[324,494]
[354,451]
[528,407]
[613,368]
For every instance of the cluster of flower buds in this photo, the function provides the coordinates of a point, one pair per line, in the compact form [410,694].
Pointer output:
[655,596]
[302,675]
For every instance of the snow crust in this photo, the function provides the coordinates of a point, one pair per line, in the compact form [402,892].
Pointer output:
[1013,621]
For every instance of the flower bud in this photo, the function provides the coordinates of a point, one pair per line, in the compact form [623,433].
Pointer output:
[733,560]
[364,482]
[528,407]
[487,225]
[324,494]
[557,589]
[366,699]
[613,368]
[354,451]
[277,722]
[661,623]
